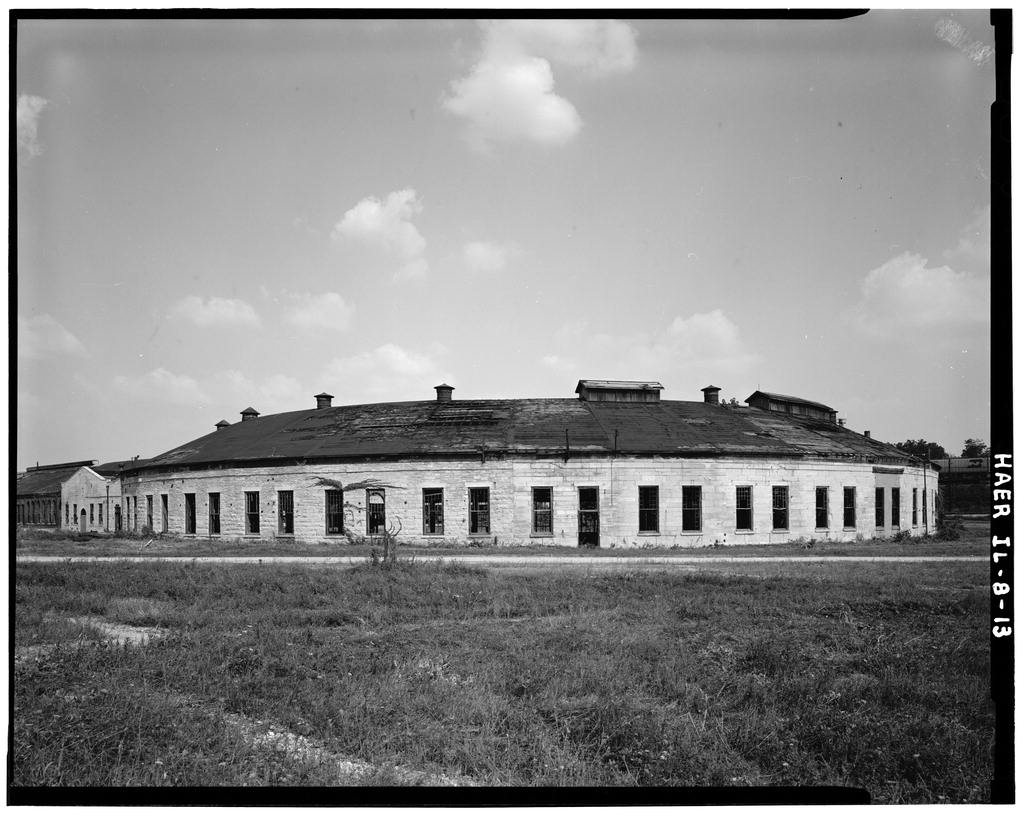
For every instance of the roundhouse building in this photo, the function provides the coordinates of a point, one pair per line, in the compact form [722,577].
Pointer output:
[615,467]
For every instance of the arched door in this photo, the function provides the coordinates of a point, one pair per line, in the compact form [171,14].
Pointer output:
[83,521]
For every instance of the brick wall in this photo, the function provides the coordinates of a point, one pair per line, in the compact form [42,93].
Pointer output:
[510,483]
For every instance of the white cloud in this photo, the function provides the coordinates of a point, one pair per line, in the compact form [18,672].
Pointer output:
[388,224]
[317,312]
[43,336]
[973,251]
[485,257]
[905,293]
[161,385]
[215,312]
[273,394]
[688,349]
[387,372]
[29,109]
[509,93]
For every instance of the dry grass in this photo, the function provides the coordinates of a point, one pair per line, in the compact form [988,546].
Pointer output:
[830,674]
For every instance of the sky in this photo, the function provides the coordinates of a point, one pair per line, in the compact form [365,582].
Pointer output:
[217,214]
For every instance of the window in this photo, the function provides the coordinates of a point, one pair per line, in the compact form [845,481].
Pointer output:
[135,513]
[924,507]
[895,507]
[879,506]
[433,511]
[780,508]
[99,514]
[214,512]
[149,512]
[691,509]
[67,513]
[163,512]
[542,511]
[335,512]
[252,512]
[285,512]
[913,508]
[190,514]
[91,514]
[849,507]
[479,510]
[821,508]
[744,508]
[375,524]
[648,509]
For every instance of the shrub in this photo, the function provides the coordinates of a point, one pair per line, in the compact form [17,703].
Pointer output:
[903,537]
[951,528]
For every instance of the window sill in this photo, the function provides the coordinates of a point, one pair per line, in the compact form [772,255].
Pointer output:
[692,532]
[286,535]
[542,535]
[780,529]
[849,529]
[649,533]
[480,535]
[743,532]
[822,529]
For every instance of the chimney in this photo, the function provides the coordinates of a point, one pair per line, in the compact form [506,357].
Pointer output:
[711,394]
[867,434]
[249,413]
[323,400]
[220,426]
[444,392]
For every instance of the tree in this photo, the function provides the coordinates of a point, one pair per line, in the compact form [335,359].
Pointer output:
[922,448]
[974,448]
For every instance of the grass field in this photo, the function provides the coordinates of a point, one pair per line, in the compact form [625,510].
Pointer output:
[65,543]
[874,676]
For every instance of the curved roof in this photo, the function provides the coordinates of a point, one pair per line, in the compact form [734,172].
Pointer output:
[522,426]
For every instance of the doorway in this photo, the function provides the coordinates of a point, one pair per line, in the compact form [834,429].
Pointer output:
[83,522]
[589,518]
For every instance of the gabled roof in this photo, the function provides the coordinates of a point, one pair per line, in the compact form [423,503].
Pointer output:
[523,426]
[785,398]
[47,479]
[109,469]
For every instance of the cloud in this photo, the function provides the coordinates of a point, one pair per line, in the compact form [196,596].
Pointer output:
[161,385]
[29,109]
[487,258]
[388,224]
[387,372]
[214,312]
[509,93]
[973,251]
[273,394]
[689,348]
[905,293]
[42,336]
[318,312]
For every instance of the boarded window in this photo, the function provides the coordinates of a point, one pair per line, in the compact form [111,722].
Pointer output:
[744,508]
[542,511]
[691,508]
[163,512]
[479,510]
[375,512]
[252,512]
[285,512]
[214,499]
[149,512]
[648,509]
[821,507]
[190,514]
[895,507]
[780,508]
[913,507]
[433,511]
[879,506]
[850,507]
[335,512]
